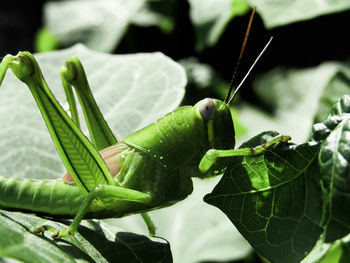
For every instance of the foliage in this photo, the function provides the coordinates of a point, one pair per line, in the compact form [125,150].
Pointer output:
[294,196]
[69,21]
[89,21]
[284,12]
[290,203]
[95,242]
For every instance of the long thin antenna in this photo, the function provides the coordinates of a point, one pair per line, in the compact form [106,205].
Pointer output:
[250,69]
[240,54]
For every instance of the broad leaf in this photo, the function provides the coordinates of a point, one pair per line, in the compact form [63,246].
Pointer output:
[291,203]
[196,232]
[296,97]
[94,243]
[334,161]
[280,12]
[90,21]
[273,199]
[109,20]
[338,85]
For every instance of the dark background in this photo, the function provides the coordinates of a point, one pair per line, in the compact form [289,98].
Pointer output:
[302,44]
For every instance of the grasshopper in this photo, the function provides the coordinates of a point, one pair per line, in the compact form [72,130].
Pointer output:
[151,168]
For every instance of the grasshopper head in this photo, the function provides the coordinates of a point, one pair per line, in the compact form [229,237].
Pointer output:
[216,117]
[218,124]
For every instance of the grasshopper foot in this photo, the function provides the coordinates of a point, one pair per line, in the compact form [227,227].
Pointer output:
[55,233]
[285,138]
[61,233]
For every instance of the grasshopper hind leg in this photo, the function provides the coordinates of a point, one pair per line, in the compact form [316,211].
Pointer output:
[73,75]
[114,193]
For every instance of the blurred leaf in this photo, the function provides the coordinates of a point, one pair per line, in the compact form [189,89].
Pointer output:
[156,13]
[240,129]
[296,98]
[89,22]
[89,245]
[203,81]
[198,74]
[279,12]
[196,232]
[45,40]
[337,86]
[9,260]
[211,17]
[100,25]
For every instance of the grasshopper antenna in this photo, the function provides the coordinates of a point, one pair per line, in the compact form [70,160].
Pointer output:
[250,69]
[240,54]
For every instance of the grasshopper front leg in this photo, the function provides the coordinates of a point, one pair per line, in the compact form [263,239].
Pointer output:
[79,156]
[212,155]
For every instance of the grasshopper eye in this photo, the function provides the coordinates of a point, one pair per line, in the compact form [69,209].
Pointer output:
[207,109]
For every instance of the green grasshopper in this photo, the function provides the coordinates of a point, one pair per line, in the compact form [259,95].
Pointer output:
[149,169]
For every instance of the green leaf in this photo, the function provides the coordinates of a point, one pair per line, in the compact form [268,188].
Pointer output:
[291,203]
[211,17]
[334,158]
[340,111]
[274,199]
[334,161]
[196,232]
[277,13]
[342,107]
[14,240]
[93,244]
